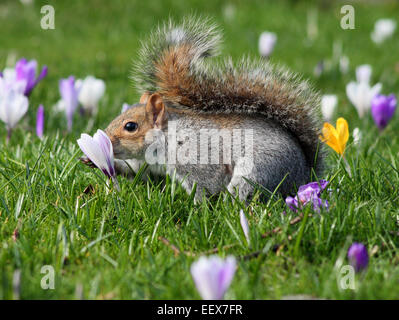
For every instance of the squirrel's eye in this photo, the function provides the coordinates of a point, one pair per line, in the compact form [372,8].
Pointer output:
[131,126]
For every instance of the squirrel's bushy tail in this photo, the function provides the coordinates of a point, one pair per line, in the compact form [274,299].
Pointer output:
[172,63]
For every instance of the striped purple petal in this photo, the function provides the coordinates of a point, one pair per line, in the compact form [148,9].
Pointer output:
[99,150]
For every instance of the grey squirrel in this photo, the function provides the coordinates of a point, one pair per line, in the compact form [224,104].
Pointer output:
[183,87]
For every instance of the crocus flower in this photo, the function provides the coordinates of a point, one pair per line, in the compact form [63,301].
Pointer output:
[40,121]
[344,64]
[328,104]
[382,109]
[125,107]
[309,193]
[357,135]
[312,27]
[267,41]
[292,202]
[244,225]
[363,73]
[358,256]
[59,106]
[13,105]
[99,151]
[69,95]
[229,11]
[26,70]
[212,276]
[336,138]
[26,2]
[8,81]
[383,29]
[360,93]
[91,91]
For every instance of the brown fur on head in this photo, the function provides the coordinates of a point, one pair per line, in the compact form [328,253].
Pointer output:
[128,131]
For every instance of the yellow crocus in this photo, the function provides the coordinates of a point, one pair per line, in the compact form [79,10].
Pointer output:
[336,138]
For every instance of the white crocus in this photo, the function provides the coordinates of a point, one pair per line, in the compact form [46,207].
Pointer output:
[8,81]
[9,74]
[59,106]
[363,73]
[360,95]
[100,152]
[344,64]
[13,104]
[244,225]
[357,135]
[383,29]
[13,107]
[328,104]
[91,91]
[267,41]
[26,2]
[125,107]
[229,12]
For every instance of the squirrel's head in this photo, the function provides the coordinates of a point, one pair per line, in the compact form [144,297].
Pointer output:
[130,133]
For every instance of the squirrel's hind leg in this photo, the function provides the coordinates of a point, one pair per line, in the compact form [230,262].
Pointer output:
[239,185]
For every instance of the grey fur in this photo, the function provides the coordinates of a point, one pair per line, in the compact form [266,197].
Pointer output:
[276,156]
[249,87]
[282,110]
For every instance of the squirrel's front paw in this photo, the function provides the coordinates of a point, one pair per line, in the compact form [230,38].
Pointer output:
[87,162]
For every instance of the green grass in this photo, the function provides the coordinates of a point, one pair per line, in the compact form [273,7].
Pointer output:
[108,245]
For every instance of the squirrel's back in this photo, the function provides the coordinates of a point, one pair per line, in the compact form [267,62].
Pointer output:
[173,63]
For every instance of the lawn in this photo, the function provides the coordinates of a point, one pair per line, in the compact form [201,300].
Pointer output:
[140,243]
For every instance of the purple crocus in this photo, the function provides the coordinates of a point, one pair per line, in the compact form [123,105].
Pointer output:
[309,193]
[40,121]
[69,95]
[213,275]
[382,109]
[26,70]
[358,256]
[99,151]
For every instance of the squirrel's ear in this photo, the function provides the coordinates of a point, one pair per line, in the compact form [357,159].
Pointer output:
[144,97]
[156,111]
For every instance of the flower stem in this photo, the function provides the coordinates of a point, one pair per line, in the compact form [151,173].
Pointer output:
[116,184]
[9,131]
